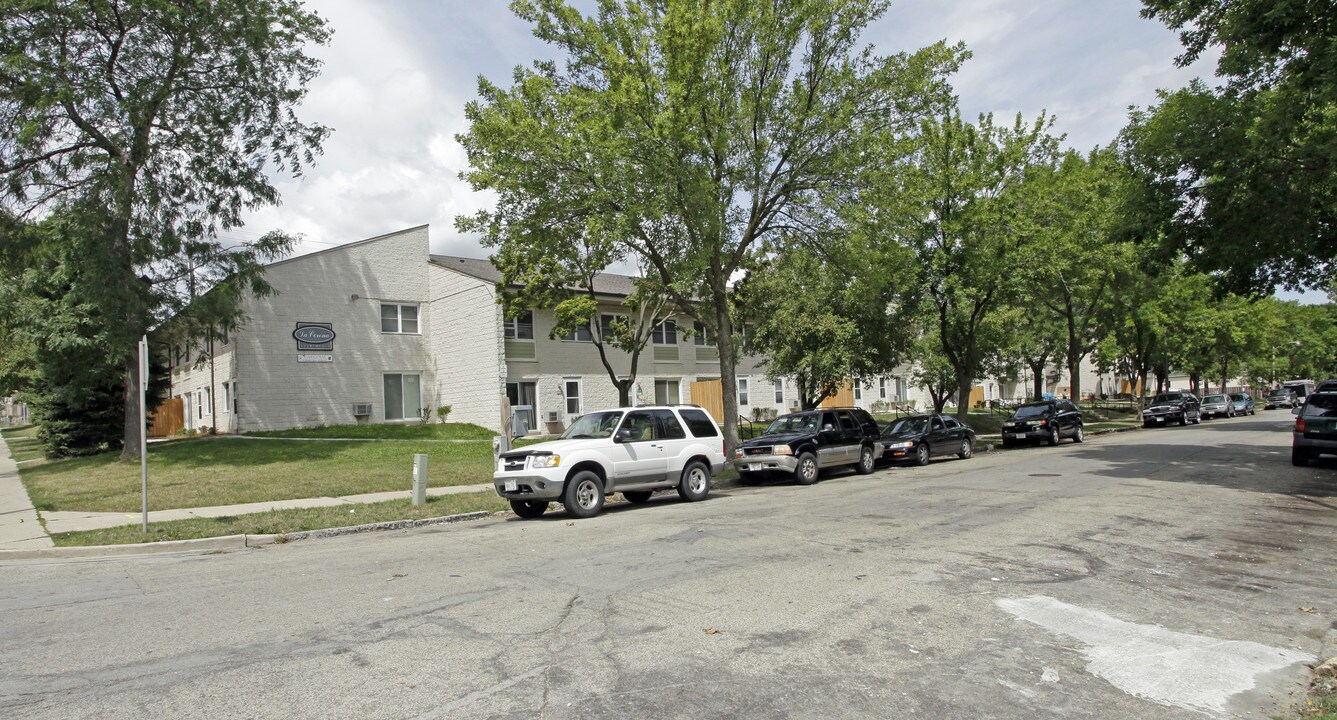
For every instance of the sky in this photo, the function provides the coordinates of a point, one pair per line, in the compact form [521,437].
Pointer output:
[397,74]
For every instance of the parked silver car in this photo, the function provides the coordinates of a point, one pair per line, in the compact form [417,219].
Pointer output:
[1315,428]
[1217,406]
[1243,403]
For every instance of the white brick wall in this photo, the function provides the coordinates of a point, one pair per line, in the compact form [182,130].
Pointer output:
[466,347]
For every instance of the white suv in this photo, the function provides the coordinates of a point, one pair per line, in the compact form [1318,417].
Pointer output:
[634,451]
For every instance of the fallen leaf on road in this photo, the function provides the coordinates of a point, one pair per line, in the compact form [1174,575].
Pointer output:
[1307,610]
[396,575]
[713,631]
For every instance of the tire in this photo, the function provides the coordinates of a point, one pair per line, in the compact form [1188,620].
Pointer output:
[1079,435]
[967,449]
[1053,436]
[637,497]
[922,454]
[695,483]
[806,472]
[866,461]
[1147,425]
[583,496]
[1299,458]
[529,508]
[1183,420]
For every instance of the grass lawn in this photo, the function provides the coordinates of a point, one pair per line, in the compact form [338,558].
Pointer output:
[287,521]
[387,431]
[229,470]
[22,442]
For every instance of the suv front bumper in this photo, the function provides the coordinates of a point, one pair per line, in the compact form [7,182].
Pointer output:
[766,463]
[529,485]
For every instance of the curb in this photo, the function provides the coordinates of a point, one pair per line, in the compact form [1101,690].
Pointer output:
[226,542]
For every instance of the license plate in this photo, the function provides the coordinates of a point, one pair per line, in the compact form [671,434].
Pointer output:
[754,466]
[1016,436]
[512,486]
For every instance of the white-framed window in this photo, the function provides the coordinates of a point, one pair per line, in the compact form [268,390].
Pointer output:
[571,392]
[580,334]
[227,396]
[606,324]
[520,327]
[234,397]
[704,338]
[742,392]
[666,392]
[204,405]
[665,333]
[399,319]
[403,396]
[858,390]
[881,388]
[780,391]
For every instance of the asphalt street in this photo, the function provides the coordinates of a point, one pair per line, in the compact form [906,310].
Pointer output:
[1168,573]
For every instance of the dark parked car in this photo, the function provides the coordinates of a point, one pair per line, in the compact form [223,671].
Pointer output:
[805,443]
[1243,404]
[1326,386]
[1170,407]
[1045,421]
[1315,430]
[1281,397]
[916,438]
[1218,405]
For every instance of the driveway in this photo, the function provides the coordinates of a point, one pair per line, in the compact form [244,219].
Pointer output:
[1171,573]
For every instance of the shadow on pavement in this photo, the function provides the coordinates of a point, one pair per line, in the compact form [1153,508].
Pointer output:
[1255,468]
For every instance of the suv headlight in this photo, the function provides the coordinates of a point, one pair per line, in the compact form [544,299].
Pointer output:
[544,461]
[782,450]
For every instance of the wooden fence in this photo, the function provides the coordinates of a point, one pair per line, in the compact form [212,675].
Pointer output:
[168,418]
[709,394]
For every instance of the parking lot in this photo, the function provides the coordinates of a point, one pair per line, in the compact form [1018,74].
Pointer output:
[1167,573]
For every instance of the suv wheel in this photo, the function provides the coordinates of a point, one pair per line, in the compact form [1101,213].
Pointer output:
[967,449]
[866,461]
[695,482]
[584,495]
[529,508]
[1053,436]
[922,454]
[1079,435]
[1299,458]
[806,472]
[636,497]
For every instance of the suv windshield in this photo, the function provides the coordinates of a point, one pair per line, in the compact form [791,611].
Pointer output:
[1324,405]
[798,422]
[593,425]
[1214,399]
[1030,411]
[1168,398]
[909,425]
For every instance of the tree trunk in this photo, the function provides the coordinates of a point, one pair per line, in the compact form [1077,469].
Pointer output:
[1075,378]
[1037,379]
[623,392]
[728,374]
[963,384]
[130,449]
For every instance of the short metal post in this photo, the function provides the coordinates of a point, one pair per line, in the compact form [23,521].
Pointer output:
[419,479]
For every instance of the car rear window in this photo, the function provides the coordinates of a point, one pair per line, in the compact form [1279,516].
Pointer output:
[1321,406]
[699,423]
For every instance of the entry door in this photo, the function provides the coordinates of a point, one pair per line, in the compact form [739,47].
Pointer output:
[523,397]
[638,453]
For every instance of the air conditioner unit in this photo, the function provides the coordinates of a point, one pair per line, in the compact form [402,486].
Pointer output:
[552,416]
[361,409]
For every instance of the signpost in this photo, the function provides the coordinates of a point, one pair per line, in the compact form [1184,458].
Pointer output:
[143,429]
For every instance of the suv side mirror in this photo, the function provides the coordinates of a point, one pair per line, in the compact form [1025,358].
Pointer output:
[828,427]
[624,435]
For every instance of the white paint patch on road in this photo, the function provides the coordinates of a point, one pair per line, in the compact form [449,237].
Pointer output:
[1194,672]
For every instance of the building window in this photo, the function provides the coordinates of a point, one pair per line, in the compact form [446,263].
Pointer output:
[703,336]
[399,319]
[665,333]
[222,335]
[881,388]
[205,406]
[666,392]
[177,350]
[858,391]
[403,396]
[742,391]
[780,392]
[606,330]
[571,391]
[580,334]
[227,397]
[520,327]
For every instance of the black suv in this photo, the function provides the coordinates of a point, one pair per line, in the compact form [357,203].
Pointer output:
[1175,406]
[805,443]
[1045,421]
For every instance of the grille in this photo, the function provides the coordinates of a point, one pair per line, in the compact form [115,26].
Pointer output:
[763,450]
[513,463]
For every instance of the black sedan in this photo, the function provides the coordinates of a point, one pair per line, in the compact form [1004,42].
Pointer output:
[916,438]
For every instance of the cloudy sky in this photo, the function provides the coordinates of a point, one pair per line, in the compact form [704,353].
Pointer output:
[398,72]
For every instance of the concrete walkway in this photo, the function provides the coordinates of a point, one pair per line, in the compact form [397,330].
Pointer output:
[58,522]
[19,528]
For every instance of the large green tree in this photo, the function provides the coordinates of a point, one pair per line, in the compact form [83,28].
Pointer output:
[155,123]
[704,129]
[966,213]
[1250,166]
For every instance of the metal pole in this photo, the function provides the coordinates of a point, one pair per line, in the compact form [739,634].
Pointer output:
[419,479]
[143,430]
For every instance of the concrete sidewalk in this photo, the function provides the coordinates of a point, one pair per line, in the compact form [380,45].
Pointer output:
[19,528]
[59,522]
